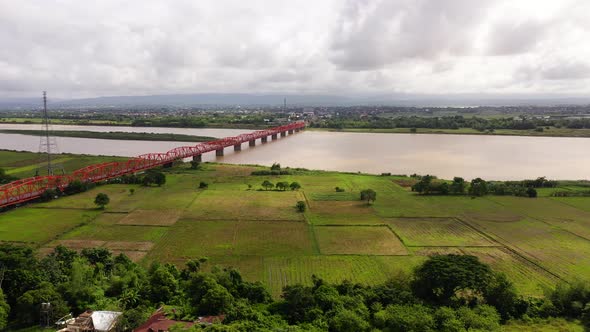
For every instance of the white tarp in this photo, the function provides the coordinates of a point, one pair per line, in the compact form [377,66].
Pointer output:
[104,321]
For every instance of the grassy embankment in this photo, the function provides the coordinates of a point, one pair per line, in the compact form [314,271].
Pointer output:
[77,122]
[118,135]
[535,242]
[551,132]
[24,164]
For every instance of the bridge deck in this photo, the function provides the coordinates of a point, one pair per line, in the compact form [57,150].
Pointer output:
[24,190]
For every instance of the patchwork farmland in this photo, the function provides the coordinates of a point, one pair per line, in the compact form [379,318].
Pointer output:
[234,222]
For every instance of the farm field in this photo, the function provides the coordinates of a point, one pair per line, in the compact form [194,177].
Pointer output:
[234,222]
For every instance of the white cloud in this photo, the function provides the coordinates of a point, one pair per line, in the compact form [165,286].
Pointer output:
[79,48]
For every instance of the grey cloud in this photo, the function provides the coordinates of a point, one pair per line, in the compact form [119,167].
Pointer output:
[567,71]
[79,48]
[558,70]
[377,33]
[507,38]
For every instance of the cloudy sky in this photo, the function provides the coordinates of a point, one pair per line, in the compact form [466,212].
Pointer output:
[361,47]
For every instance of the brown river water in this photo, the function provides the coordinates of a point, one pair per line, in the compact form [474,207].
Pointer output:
[469,156]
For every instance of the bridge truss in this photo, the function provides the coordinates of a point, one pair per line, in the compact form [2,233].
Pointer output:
[28,189]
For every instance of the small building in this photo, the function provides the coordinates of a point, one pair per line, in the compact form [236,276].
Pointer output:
[158,322]
[93,321]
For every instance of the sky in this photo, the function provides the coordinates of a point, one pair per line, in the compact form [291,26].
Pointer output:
[78,49]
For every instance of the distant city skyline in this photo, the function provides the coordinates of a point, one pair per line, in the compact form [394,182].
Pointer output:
[78,49]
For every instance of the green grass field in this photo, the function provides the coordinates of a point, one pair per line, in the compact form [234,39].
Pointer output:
[536,242]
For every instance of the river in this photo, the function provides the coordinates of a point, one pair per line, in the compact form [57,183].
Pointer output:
[468,156]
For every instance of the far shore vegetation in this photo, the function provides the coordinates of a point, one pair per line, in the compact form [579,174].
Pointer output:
[552,121]
[118,135]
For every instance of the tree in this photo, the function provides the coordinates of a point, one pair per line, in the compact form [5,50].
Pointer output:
[423,186]
[152,176]
[275,167]
[348,321]
[501,294]
[27,305]
[4,311]
[405,318]
[531,192]
[368,195]
[96,256]
[216,300]
[282,185]
[203,185]
[159,178]
[267,184]
[457,186]
[131,191]
[49,194]
[132,318]
[101,200]
[300,206]
[75,187]
[295,186]
[478,187]
[5,178]
[195,164]
[163,285]
[445,279]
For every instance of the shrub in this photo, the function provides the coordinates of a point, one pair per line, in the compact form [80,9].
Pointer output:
[300,206]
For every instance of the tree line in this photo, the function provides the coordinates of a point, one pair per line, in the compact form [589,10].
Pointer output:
[430,185]
[355,120]
[445,293]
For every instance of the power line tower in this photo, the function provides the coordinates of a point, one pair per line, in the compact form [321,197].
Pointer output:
[47,145]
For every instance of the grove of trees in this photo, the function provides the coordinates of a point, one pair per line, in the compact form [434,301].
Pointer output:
[445,293]
[430,185]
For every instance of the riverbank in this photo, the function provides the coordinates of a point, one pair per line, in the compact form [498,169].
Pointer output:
[124,123]
[547,132]
[114,135]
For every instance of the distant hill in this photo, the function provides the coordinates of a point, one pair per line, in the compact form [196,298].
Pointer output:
[237,99]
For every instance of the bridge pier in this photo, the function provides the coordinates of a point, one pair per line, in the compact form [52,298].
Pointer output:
[264,139]
[283,133]
[291,132]
[219,152]
[252,143]
[273,136]
[238,147]
[198,158]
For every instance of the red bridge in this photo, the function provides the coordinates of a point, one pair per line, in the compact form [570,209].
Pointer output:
[31,188]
